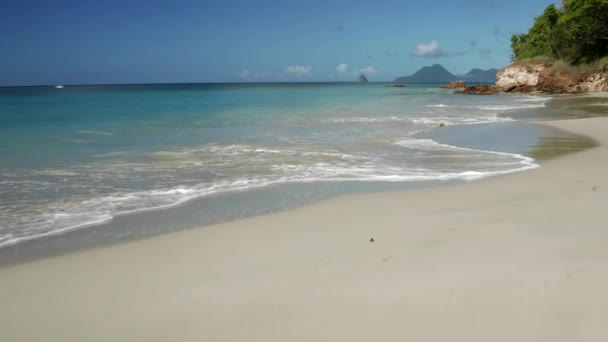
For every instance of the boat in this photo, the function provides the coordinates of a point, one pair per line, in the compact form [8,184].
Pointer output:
[59,86]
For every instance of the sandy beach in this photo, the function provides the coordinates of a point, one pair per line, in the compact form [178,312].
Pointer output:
[521,257]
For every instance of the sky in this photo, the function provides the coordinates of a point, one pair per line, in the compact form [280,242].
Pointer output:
[132,41]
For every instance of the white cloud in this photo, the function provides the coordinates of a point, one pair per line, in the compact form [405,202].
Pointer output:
[244,73]
[299,70]
[430,50]
[370,70]
[256,75]
[342,68]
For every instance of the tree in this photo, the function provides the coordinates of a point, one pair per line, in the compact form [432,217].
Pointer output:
[540,39]
[577,33]
[587,24]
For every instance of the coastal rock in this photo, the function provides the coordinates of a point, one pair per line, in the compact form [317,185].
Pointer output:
[555,81]
[597,82]
[519,75]
[454,85]
[549,77]
[510,88]
[480,89]
[362,79]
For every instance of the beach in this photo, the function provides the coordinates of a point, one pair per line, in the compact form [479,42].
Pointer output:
[520,257]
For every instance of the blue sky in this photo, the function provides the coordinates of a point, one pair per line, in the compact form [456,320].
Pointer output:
[110,41]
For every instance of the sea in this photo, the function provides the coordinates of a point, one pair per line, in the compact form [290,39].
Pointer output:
[76,158]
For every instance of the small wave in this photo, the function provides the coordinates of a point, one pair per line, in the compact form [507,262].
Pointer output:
[366,120]
[239,150]
[440,105]
[52,172]
[76,214]
[91,220]
[530,105]
[101,210]
[76,141]
[462,120]
[110,154]
[531,98]
[95,133]
[431,145]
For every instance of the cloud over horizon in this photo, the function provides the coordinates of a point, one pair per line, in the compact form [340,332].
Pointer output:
[342,68]
[433,50]
[299,70]
[430,50]
[370,71]
[251,74]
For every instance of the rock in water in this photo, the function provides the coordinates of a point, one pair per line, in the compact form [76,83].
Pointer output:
[480,89]
[362,79]
[454,85]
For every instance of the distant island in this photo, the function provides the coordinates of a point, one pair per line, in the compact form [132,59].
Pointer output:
[436,73]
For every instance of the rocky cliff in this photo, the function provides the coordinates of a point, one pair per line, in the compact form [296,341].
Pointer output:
[551,77]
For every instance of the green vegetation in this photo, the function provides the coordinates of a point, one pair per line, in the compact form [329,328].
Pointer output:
[588,68]
[576,33]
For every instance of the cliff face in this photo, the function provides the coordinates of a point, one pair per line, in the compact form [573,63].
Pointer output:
[519,75]
[550,78]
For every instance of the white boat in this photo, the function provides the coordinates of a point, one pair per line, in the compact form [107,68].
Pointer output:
[59,86]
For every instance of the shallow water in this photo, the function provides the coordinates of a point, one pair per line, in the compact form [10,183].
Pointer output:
[79,156]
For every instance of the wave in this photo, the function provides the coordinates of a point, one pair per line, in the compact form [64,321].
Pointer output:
[522,102]
[432,121]
[519,161]
[95,132]
[367,120]
[458,120]
[532,98]
[293,166]
[526,103]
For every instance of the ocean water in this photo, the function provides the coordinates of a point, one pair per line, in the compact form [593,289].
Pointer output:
[79,156]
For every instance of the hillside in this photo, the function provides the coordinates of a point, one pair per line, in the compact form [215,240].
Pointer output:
[478,75]
[428,74]
[438,74]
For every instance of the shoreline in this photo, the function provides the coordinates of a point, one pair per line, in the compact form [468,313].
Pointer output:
[493,137]
[519,257]
[511,137]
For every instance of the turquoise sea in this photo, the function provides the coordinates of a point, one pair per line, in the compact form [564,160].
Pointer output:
[77,157]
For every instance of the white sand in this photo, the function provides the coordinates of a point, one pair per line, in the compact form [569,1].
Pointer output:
[519,258]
